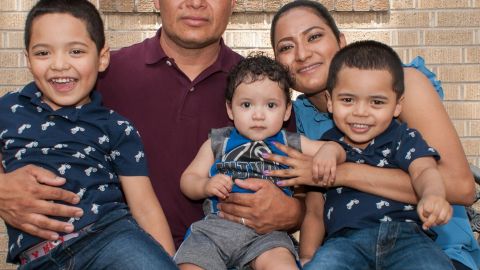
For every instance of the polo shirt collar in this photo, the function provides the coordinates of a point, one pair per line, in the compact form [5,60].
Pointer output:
[383,139]
[154,53]
[33,94]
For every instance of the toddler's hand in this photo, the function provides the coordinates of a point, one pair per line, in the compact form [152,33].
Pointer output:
[434,210]
[325,165]
[220,185]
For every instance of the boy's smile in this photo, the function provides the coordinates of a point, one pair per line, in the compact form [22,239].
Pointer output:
[64,60]
[363,104]
[258,109]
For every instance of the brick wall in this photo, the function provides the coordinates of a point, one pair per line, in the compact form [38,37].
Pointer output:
[445,32]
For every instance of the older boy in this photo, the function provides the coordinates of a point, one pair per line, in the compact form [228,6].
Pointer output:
[57,122]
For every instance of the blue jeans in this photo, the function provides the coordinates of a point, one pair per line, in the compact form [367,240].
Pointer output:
[391,245]
[116,241]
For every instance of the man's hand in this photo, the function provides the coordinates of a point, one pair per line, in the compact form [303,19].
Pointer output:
[266,210]
[25,202]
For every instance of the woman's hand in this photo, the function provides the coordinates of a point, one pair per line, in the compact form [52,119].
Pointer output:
[300,167]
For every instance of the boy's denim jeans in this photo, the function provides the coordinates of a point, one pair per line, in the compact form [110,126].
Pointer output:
[391,245]
[114,242]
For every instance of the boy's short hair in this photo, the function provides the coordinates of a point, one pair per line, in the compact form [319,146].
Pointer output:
[368,55]
[257,66]
[80,9]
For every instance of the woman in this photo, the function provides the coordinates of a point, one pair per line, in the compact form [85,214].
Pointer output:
[305,38]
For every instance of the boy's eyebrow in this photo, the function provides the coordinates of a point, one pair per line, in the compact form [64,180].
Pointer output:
[379,97]
[73,43]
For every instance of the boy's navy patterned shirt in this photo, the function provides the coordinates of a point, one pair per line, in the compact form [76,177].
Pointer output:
[397,147]
[88,145]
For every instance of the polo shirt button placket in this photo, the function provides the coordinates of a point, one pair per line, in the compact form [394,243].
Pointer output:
[192,89]
[51,117]
[169,63]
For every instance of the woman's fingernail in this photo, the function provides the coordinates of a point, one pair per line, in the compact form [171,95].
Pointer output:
[265,155]
[280,183]
[266,172]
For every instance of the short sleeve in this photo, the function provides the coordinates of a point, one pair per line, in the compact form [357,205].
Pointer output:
[409,146]
[127,153]
[419,64]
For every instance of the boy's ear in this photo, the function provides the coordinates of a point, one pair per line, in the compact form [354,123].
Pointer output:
[104,58]
[228,104]
[329,102]
[288,112]
[398,107]
[29,65]
[343,40]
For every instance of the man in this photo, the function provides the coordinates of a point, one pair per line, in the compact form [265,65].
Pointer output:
[171,87]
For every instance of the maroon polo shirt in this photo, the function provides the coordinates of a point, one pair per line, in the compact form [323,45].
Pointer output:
[173,114]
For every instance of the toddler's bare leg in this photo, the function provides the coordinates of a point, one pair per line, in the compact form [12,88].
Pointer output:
[278,258]
[189,266]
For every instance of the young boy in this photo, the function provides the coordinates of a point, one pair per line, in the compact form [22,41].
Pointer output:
[366,87]
[258,102]
[57,122]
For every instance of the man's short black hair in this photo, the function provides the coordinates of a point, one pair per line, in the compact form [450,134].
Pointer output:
[80,9]
[368,55]
[256,67]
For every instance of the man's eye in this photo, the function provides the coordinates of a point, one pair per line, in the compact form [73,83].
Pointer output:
[378,102]
[347,100]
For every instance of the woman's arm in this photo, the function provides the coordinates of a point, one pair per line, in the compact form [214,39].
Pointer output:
[394,184]
[423,110]
[147,210]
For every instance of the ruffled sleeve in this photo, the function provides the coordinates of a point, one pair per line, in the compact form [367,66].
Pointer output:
[419,64]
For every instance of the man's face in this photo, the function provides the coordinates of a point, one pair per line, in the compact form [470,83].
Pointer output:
[194,24]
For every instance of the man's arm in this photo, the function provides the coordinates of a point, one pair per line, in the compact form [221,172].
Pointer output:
[26,196]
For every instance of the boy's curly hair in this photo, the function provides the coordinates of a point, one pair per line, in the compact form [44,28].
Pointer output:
[257,66]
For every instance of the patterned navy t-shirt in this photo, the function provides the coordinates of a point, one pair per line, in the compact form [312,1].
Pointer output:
[396,147]
[88,145]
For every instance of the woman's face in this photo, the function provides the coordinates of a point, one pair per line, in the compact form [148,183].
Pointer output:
[306,45]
